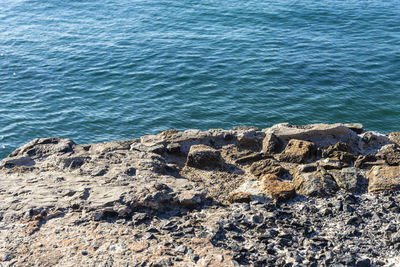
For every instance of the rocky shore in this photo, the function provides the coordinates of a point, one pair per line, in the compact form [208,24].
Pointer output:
[312,195]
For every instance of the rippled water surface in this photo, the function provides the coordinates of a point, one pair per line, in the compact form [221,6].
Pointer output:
[108,70]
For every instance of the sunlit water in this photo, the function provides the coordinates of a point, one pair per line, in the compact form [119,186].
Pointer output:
[108,70]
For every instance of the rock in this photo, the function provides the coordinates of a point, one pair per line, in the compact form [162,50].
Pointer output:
[43,147]
[298,151]
[394,137]
[371,142]
[251,139]
[358,128]
[347,178]
[267,166]
[271,144]
[383,178]
[314,184]
[390,153]
[250,190]
[277,189]
[322,135]
[201,156]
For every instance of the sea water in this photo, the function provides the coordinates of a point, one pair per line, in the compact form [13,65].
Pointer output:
[107,70]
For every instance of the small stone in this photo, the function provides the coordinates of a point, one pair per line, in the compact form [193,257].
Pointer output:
[84,252]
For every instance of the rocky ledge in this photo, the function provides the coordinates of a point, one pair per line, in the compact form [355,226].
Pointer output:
[312,195]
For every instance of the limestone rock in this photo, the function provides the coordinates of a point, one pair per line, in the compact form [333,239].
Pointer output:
[267,166]
[298,151]
[43,147]
[390,153]
[251,139]
[314,184]
[271,144]
[323,135]
[201,156]
[278,189]
[394,137]
[356,127]
[347,178]
[383,178]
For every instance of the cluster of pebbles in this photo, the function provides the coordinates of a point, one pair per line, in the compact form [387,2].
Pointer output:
[312,195]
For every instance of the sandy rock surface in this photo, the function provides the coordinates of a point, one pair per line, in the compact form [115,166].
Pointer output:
[312,195]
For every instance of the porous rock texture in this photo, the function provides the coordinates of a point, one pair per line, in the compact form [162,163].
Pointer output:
[311,195]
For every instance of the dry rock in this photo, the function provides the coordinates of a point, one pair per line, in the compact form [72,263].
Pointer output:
[298,151]
[383,178]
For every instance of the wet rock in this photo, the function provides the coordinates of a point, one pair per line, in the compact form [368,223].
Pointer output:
[383,178]
[298,151]
[201,156]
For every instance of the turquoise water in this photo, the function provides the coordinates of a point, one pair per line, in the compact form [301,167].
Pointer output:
[107,70]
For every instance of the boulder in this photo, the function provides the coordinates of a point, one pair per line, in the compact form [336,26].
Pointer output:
[355,127]
[271,144]
[394,137]
[278,189]
[298,151]
[267,166]
[383,178]
[390,153]
[202,156]
[251,139]
[314,184]
[323,135]
[347,178]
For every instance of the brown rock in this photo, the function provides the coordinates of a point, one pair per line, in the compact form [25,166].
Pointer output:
[267,166]
[202,156]
[278,189]
[383,178]
[298,151]
[395,137]
[390,153]
[239,197]
[271,144]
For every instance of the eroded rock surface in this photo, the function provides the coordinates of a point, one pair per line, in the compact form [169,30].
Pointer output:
[286,195]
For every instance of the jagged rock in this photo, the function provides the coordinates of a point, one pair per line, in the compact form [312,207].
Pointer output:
[201,156]
[323,135]
[383,178]
[298,151]
[271,144]
[267,166]
[390,153]
[371,142]
[347,178]
[251,139]
[394,137]
[340,151]
[330,163]
[276,188]
[43,147]
[314,184]
[358,128]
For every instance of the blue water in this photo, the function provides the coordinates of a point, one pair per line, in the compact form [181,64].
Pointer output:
[108,70]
